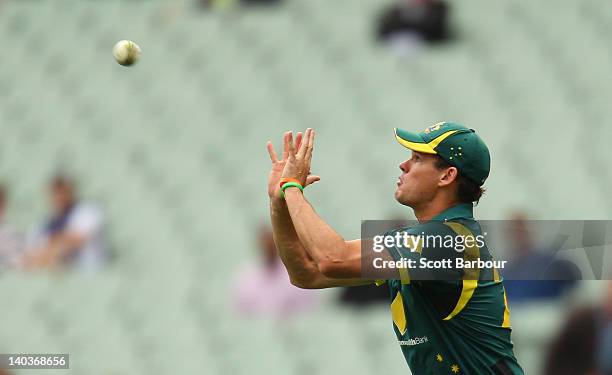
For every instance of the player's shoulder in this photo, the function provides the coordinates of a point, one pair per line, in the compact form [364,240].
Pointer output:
[86,211]
[87,208]
[431,227]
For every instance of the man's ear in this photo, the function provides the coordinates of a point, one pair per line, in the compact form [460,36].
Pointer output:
[448,176]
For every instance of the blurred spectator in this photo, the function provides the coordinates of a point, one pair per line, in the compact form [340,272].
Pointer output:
[260,2]
[264,288]
[217,3]
[11,241]
[583,346]
[410,21]
[229,3]
[534,274]
[72,236]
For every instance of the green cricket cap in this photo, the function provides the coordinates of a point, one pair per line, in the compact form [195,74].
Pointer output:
[454,143]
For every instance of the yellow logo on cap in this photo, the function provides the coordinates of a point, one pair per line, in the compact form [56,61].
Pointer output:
[433,128]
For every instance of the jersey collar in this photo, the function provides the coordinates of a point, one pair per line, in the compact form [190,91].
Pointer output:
[460,211]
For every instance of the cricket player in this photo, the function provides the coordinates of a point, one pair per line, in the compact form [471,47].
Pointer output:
[447,321]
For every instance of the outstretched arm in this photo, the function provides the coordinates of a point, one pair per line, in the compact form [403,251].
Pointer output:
[334,257]
[303,270]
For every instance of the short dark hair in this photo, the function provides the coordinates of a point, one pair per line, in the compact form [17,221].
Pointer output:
[61,180]
[467,190]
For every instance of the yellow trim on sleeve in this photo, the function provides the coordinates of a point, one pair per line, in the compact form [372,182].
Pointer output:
[404,275]
[467,290]
[403,272]
[506,322]
[471,276]
[419,244]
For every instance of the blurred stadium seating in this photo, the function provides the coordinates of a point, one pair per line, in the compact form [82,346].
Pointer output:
[174,149]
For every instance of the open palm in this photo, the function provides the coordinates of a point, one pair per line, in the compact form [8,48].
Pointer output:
[279,165]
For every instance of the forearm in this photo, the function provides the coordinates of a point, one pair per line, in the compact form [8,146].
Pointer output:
[332,254]
[297,247]
[299,264]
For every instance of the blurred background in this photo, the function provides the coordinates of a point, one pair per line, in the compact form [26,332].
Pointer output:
[133,206]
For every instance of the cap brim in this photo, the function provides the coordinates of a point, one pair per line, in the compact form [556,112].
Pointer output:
[413,141]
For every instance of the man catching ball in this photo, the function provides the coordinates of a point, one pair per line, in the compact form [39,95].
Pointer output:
[447,320]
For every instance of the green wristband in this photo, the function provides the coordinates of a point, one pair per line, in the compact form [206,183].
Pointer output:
[288,185]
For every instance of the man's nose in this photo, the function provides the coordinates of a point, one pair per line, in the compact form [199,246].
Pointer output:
[405,166]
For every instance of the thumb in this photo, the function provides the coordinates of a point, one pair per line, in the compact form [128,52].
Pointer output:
[312,179]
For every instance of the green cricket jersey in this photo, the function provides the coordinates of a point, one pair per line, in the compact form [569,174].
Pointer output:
[451,321]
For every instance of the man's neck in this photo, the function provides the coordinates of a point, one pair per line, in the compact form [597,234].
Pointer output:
[432,209]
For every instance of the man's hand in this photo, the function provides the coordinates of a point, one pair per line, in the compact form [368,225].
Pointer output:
[298,163]
[279,165]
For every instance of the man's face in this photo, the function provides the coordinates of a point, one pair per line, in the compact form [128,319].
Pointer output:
[419,180]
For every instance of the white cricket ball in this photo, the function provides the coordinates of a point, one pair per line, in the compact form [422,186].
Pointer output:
[126,52]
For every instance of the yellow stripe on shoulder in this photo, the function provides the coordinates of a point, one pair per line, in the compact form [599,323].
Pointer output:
[471,275]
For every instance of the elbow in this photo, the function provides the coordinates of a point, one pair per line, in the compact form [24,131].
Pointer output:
[332,268]
[304,283]
[341,262]
[340,268]
[305,278]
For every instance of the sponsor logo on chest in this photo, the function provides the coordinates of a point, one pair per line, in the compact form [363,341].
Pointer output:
[414,341]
